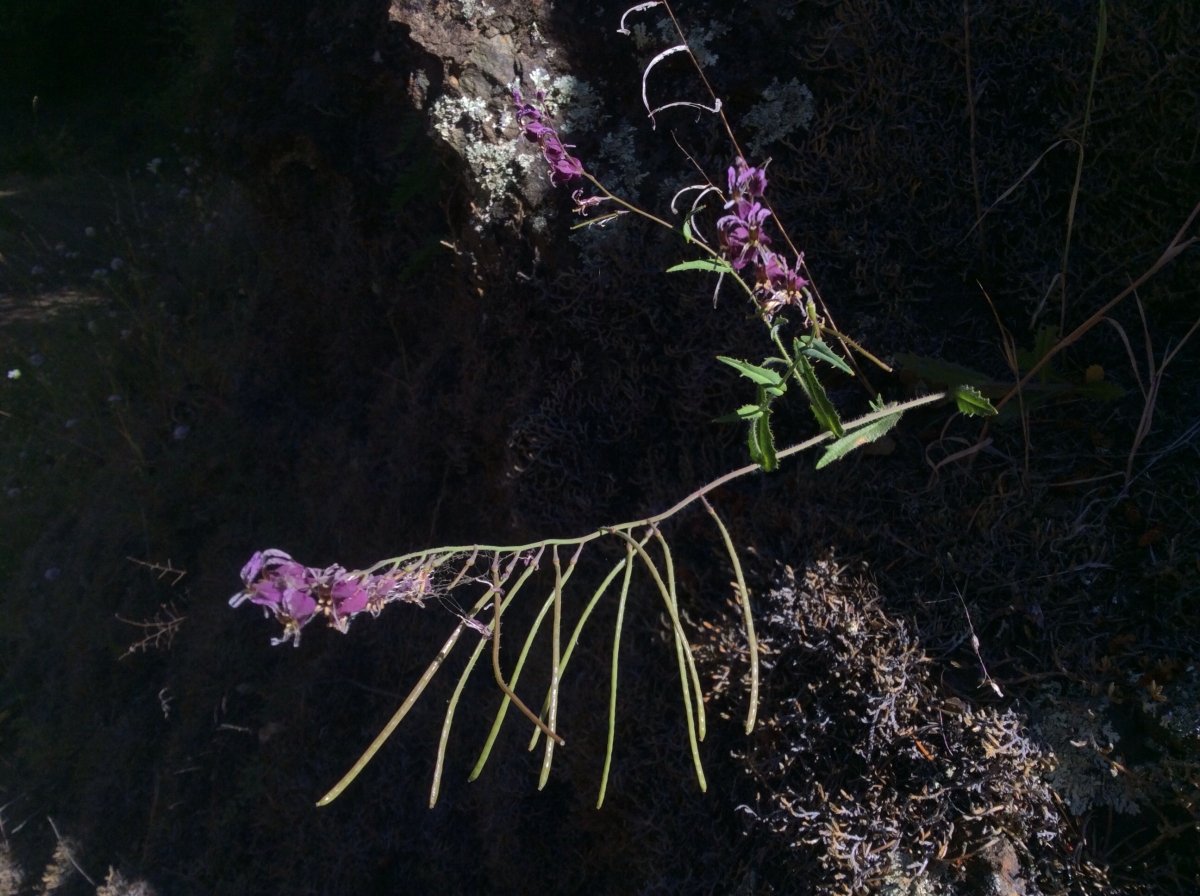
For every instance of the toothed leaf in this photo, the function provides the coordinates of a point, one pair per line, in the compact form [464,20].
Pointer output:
[972,403]
[815,349]
[716,265]
[760,375]
[856,439]
[822,407]
[745,412]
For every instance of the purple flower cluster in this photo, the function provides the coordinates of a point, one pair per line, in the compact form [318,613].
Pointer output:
[563,166]
[743,241]
[297,594]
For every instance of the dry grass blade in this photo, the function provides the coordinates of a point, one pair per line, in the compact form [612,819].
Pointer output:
[1151,393]
[1175,248]
[1101,36]
[1020,180]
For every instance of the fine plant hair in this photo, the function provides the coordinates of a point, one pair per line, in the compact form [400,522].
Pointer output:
[496,575]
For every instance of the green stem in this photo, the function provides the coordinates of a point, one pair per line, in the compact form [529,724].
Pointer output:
[705,489]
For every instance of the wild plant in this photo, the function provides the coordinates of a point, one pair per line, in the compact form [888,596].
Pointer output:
[740,251]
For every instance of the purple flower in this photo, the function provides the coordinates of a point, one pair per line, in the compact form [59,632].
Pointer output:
[296,594]
[745,182]
[741,234]
[778,284]
[564,167]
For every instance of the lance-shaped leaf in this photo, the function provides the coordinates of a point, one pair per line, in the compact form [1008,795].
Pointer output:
[762,444]
[815,349]
[972,403]
[761,375]
[687,224]
[716,265]
[859,437]
[822,407]
[742,414]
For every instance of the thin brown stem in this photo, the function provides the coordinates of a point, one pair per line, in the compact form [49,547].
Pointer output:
[1177,247]
[500,678]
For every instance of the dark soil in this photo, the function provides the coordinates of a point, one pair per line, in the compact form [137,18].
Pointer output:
[286,332]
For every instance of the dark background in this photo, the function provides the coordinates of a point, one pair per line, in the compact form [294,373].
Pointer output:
[352,389]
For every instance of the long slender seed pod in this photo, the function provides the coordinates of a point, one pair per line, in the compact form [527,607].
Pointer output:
[449,720]
[612,688]
[513,593]
[505,701]
[683,673]
[399,715]
[681,638]
[500,677]
[747,616]
[441,555]
[587,612]
[555,660]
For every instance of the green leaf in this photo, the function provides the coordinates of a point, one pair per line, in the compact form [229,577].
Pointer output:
[862,436]
[760,375]
[716,265]
[745,412]
[815,349]
[762,444]
[935,371]
[822,407]
[971,403]
[687,225]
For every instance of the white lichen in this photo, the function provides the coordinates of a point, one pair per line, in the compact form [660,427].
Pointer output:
[698,38]
[619,150]
[785,108]
[1088,771]
[471,7]
[468,127]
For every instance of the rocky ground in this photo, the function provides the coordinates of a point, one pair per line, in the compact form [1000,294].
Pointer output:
[336,308]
